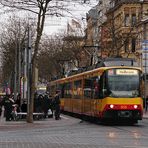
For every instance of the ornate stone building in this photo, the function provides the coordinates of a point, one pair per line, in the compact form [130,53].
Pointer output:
[123,31]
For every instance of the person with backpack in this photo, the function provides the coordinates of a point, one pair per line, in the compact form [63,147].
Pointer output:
[57,103]
[7,103]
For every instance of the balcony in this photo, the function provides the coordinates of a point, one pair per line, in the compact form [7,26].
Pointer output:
[117,2]
[114,4]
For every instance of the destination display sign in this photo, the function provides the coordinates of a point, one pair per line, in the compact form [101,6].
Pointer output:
[126,72]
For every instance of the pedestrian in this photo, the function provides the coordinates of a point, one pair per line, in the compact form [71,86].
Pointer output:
[14,112]
[0,110]
[7,103]
[38,104]
[24,107]
[1,100]
[146,103]
[57,103]
[46,105]
[18,102]
[51,102]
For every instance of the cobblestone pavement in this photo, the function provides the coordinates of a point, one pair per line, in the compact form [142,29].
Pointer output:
[145,115]
[71,133]
[41,134]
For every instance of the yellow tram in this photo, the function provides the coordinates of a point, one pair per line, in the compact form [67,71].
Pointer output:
[112,90]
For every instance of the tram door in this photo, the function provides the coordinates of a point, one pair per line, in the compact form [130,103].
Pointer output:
[91,90]
[95,95]
[87,100]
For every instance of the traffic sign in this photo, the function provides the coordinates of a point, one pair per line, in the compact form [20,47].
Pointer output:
[145,55]
[145,45]
[145,41]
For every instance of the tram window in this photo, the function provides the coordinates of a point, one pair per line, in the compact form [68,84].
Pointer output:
[88,83]
[77,92]
[95,87]
[67,90]
[62,90]
[87,93]
[88,88]
[103,86]
[52,90]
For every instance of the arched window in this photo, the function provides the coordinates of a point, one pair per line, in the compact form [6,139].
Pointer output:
[133,44]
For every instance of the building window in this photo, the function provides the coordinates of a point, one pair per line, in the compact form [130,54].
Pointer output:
[100,13]
[126,46]
[133,20]
[126,20]
[133,44]
[100,2]
[111,4]
[86,1]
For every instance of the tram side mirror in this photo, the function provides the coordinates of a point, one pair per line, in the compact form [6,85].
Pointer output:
[98,78]
[144,77]
[104,92]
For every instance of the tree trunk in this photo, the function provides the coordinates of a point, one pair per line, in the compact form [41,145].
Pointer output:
[32,90]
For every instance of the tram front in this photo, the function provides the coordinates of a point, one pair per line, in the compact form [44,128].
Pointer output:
[122,98]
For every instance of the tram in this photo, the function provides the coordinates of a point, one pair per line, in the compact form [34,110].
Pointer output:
[110,91]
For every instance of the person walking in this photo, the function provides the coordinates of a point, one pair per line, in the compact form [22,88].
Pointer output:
[46,105]
[7,103]
[24,107]
[51,107]
[38,104]
[57,103]
[146,103]
[18,102]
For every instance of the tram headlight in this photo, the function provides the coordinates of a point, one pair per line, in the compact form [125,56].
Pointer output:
[135,106]
[111,106]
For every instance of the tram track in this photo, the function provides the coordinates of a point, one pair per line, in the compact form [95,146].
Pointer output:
[72,131]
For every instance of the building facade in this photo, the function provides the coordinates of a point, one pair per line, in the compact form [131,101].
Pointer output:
[123,30]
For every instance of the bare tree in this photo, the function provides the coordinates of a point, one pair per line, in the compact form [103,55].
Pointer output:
[56,53]
[13,33]
[41,8]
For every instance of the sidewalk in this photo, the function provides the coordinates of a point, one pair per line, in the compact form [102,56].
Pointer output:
[22,121]
[145,114]
[42,121]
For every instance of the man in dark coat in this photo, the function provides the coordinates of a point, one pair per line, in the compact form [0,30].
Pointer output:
[51,102]
[24,107]
[46,105]
[57,103]
[18,102]
[8,102]
[38,104]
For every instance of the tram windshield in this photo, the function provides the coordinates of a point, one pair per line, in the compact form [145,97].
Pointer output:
[123,83]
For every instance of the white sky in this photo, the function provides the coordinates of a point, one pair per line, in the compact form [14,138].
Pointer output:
[78,12]
[57,24]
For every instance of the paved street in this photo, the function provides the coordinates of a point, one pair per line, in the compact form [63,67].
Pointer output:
[70,132]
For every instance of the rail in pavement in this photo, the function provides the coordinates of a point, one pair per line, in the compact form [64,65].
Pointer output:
[145,114]
[37,116]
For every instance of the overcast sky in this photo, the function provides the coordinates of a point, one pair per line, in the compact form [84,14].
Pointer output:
[58,24]
[78,10]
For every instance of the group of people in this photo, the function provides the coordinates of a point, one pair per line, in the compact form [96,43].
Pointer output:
[11,106]
[44,103]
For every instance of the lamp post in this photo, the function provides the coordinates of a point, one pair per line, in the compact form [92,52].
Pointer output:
[17,69]
[91,53]
[145,56]
[29,73]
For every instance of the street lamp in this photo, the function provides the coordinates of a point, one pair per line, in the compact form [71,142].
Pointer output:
[91,53]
